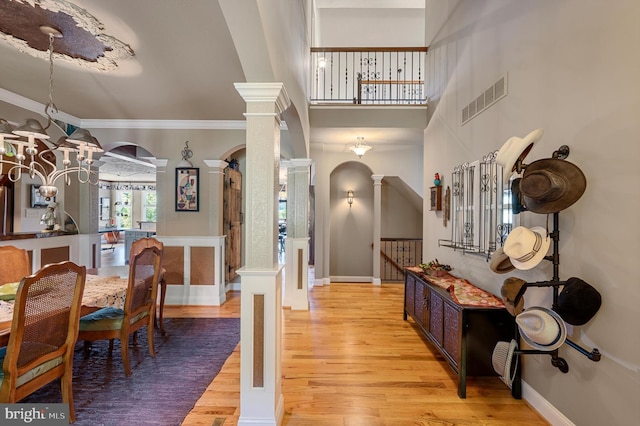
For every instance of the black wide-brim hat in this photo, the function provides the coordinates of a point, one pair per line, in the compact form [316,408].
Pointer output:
[578,302]
[551,185]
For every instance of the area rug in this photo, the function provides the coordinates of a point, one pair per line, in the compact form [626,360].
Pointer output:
[160,391]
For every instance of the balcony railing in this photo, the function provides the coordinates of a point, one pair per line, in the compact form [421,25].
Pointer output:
[368,76]
[396,254]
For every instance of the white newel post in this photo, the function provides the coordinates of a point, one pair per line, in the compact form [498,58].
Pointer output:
[377,213]
[296,292]
[261,400]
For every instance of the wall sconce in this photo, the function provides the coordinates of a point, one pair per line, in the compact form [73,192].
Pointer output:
[350,197]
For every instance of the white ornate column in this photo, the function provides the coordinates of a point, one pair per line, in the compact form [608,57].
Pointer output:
[296,291]
[162,187]
[377,214]
[216,207]
[261,400]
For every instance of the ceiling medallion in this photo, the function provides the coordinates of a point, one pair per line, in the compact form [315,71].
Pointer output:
[84,41]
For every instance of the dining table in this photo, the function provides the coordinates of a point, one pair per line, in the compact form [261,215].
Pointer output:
[100,291]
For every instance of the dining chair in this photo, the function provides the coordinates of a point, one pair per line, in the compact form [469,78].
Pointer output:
[111,237]
[139,307]
[14,264]
[137,246]
[44,331]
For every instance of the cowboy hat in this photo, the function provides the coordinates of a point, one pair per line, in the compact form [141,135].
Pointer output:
[542,328]
[551,185]
[509,290]
[516,149]
[578,302]
[527,247]
[500,262]
[503,361]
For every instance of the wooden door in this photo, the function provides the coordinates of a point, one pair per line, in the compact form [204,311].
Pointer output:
[232,219]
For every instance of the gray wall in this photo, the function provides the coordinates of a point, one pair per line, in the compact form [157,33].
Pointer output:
[351,227]
[573,70]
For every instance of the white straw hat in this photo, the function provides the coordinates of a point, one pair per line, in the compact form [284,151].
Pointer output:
[515,149]
[542,328]
[527,247]
[504,363]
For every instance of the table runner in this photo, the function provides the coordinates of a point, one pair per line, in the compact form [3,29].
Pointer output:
[99,292]
[461,290]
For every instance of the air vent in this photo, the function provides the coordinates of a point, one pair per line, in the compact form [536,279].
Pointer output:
[480,103]
[490,96]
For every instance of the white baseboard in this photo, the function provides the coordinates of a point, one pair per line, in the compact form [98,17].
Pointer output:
[544,407]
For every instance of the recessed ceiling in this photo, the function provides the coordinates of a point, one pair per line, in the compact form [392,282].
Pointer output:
[122,170]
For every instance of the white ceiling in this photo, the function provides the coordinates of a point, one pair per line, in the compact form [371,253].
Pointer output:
[184,68]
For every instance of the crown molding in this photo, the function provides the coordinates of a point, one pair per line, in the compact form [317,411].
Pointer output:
[165,124]
[35,107]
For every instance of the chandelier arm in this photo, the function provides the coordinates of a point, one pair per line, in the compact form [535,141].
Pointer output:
[81,171]
[41,155]
[15,172]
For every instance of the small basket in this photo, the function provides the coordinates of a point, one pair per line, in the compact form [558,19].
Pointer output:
[436,272]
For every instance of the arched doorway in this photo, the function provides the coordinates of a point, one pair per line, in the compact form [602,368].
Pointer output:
[127,199]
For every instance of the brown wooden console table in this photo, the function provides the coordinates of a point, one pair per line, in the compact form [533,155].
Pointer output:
[464,335]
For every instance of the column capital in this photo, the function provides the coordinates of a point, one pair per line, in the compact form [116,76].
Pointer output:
[159,162]
[377,179]
[264,93]
[216,164]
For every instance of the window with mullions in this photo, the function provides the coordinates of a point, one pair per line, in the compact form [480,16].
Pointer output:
[149,210]
[123,209]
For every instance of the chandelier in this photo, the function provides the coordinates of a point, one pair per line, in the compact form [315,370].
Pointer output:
[360,148]
[20,151]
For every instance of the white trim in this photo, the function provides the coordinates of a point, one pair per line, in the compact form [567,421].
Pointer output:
[186,294]
[37,107]
[165,124]
[544,407]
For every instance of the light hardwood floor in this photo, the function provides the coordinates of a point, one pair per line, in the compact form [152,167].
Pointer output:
[352,360]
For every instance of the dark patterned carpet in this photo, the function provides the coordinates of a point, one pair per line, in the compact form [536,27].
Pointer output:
[160,391]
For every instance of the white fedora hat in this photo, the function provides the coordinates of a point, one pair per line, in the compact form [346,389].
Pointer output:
[504,363]
[527,247]
[515,149]
[542,328]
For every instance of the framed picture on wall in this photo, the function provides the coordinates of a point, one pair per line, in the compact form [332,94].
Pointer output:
[37,200]
[187,189]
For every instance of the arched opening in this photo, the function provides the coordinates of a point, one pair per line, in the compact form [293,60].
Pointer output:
[127,200]
[351,232]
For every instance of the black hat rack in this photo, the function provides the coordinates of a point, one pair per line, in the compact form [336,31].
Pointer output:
[557,361]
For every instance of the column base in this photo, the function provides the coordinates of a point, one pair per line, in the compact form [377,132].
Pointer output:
[261,400]
[296,283]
